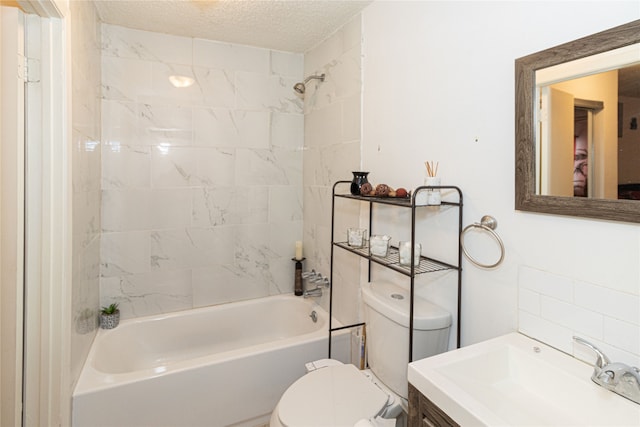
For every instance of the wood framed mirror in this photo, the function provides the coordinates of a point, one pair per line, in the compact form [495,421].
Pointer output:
[528,196]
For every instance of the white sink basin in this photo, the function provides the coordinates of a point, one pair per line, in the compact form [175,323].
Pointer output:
[514,380]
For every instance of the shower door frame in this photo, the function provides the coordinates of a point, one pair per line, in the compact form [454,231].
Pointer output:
[49,322]
[11,214]
[43,396]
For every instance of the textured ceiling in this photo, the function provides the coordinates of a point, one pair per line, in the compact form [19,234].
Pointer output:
[290,25]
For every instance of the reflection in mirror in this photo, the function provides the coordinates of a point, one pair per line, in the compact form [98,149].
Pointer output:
[595,83]
[582,175]
[583,148]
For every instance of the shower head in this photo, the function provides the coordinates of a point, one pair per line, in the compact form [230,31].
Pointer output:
[301,88]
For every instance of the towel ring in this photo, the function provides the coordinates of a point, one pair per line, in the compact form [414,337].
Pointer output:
[489,224]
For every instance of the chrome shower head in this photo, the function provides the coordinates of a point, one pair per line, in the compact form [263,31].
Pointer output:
[301,87]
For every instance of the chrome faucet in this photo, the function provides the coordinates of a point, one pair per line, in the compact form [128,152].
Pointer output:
[311,276]
[617,377]
[315,292]
[317,278]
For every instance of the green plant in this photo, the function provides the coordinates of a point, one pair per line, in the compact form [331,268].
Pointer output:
[110,309]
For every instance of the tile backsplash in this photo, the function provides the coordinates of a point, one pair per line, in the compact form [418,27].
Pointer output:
[201,186]
[553,308]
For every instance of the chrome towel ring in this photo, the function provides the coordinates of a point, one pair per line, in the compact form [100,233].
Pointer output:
[489,224]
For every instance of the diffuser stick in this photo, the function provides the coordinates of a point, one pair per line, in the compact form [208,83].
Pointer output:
[432,170]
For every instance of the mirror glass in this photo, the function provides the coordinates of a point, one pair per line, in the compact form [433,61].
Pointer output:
[577,137]
[588,141]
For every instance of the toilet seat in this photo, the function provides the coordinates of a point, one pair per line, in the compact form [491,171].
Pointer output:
[332,396]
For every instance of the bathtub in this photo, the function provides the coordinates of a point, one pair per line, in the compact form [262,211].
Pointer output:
[215,366]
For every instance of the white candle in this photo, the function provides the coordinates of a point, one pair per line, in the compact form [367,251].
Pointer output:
[298,250]
[404,249]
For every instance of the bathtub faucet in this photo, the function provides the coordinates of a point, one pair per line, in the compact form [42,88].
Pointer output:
[315,292]
[311,276]
[319,280]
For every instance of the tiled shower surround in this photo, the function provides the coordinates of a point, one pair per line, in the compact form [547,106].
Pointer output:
[85,46]
[201,186]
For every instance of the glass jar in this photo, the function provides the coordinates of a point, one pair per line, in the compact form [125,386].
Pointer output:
[379,245]
[356,237]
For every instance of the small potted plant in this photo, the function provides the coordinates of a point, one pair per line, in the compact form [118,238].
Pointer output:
[109,316]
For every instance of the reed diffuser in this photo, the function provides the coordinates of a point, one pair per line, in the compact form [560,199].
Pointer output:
[433,195]
[432,170]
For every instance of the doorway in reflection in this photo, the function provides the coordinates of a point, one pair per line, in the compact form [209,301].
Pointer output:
[589,142]
[581,153]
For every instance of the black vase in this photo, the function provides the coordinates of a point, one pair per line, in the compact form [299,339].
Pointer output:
[359,178]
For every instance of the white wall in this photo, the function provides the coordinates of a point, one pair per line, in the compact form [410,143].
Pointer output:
[439,85]
[202,186]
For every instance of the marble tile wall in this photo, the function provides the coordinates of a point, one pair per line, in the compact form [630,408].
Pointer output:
[86,150]
[332,150]
[201,186]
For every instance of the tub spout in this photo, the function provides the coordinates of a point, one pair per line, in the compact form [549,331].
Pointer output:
[315,292]
[318,279]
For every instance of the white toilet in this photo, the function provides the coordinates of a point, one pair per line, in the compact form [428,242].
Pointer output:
[335,395]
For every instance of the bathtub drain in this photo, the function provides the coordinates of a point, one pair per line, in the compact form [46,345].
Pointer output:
[314,316]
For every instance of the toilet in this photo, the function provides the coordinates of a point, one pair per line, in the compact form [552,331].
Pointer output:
[340,395]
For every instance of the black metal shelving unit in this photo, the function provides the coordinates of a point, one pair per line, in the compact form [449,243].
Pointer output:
[391,261]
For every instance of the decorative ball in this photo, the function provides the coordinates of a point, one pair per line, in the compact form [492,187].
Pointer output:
[382,190]
[366,189]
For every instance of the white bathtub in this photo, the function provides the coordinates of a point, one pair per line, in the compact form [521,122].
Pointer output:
[215,366]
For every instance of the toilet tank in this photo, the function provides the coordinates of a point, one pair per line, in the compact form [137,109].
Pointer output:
[387,317]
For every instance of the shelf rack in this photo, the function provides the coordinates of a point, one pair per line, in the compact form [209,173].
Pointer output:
[391,261]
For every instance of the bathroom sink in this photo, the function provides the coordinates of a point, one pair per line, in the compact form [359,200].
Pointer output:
[517,381]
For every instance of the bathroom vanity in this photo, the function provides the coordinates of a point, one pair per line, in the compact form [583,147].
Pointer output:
[512,380]
[423,412]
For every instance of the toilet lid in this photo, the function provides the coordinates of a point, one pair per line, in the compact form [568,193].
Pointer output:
[333,396]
